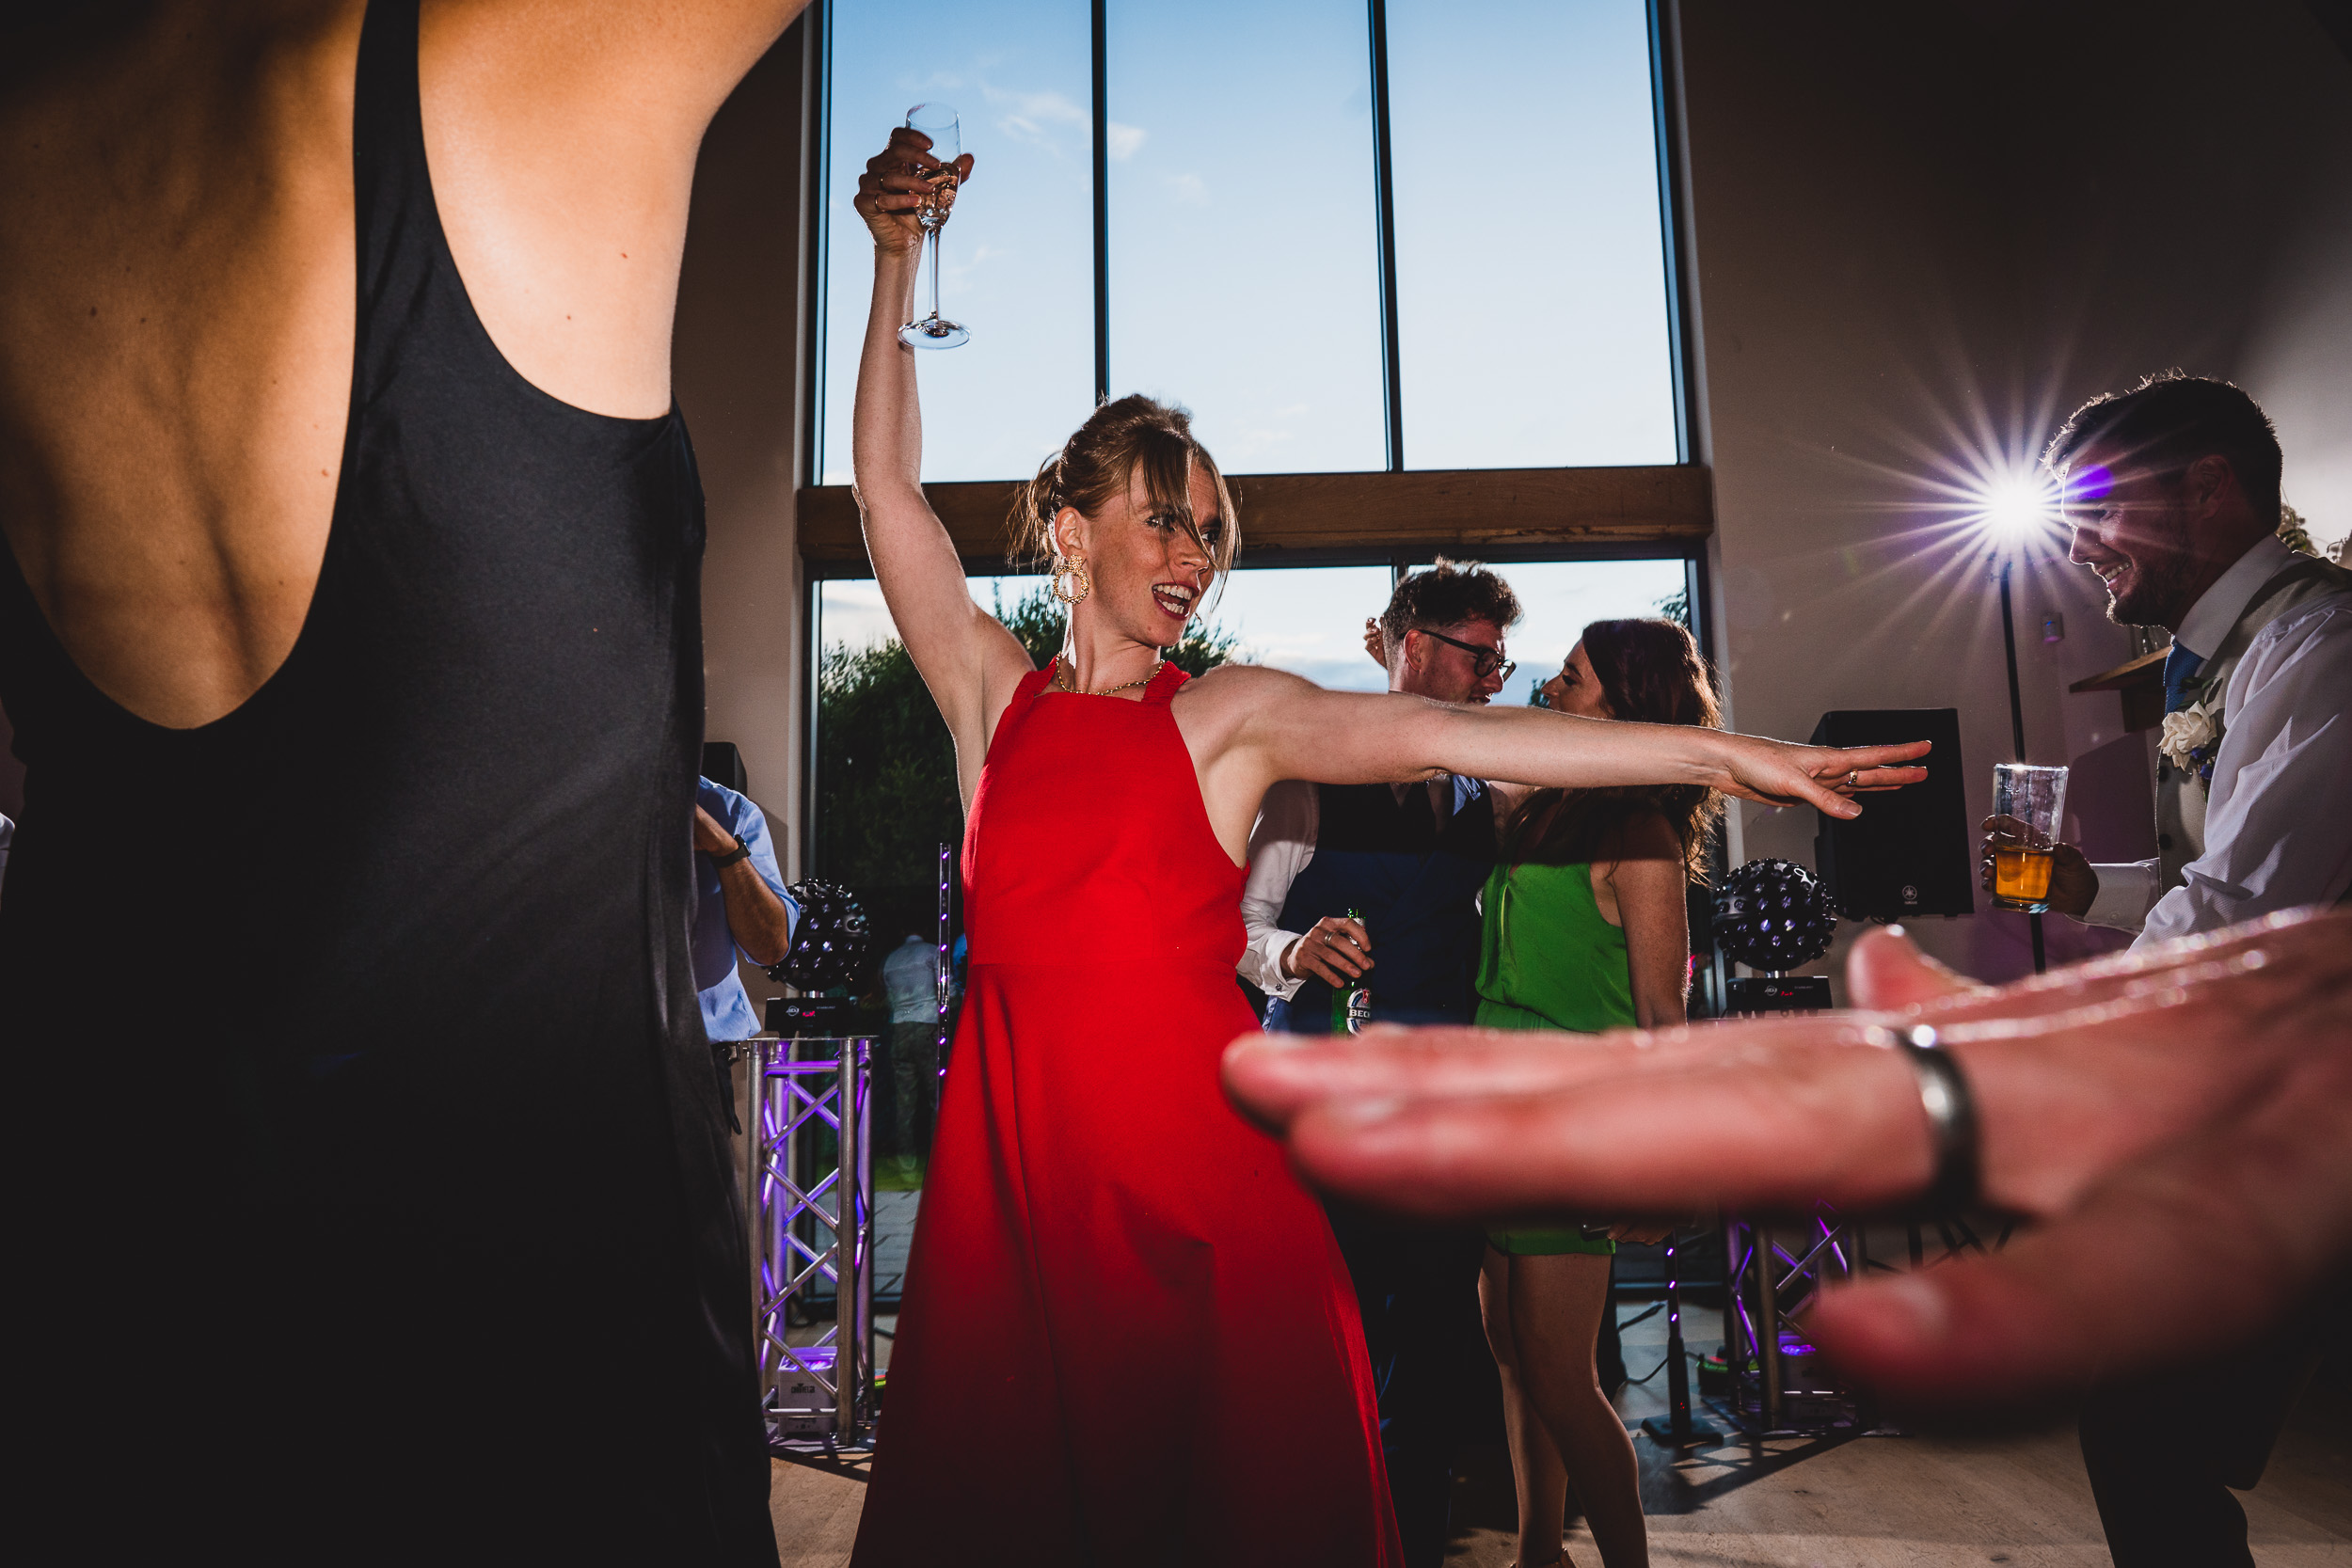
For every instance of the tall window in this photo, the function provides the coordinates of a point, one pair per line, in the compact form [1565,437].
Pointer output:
[884,794]
[1348,234]
[1019,255]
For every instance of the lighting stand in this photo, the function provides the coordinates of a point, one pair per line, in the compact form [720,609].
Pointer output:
[2017,730]
[810,1233]
[1676,1430]
[1773,1278]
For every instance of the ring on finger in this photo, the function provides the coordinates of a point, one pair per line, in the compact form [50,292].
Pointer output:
[1951,1113]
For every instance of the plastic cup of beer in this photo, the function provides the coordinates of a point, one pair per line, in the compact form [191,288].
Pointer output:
[2036,798]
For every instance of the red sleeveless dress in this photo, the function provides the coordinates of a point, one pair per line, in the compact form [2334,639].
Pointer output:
[1127,1336]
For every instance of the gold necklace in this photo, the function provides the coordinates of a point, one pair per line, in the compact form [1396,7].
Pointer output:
[1066,679]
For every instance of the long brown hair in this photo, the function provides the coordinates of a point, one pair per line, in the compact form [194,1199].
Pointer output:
[1650,670]
[1100,461]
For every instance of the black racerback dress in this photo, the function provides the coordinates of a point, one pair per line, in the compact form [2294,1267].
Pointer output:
[368,1195]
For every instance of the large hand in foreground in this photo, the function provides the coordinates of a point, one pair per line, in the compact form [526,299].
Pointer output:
[2176,1121]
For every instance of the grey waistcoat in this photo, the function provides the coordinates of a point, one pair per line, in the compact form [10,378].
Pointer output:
[2181,795]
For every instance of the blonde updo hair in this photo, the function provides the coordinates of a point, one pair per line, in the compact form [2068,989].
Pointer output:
[1100,461]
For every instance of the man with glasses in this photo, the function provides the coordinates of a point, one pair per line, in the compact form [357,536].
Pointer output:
[1410,857]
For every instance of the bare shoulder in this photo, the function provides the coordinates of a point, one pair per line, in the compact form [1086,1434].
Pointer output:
[562,139]
[1245,683]
[1647,835]
[1222,701]
[677,60]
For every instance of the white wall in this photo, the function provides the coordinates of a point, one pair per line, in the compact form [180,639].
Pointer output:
[1921,236]
[737,368]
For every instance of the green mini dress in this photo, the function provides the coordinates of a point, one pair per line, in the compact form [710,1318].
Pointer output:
[1546,960]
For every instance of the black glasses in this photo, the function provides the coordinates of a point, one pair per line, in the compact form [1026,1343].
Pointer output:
[1488,661]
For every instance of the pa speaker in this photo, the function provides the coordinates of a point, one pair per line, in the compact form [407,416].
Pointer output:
[1910,852]
[723,765]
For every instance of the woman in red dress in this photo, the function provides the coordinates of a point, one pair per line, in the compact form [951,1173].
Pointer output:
[1127,1336]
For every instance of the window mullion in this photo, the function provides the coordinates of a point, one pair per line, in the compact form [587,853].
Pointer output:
[1385,203]
[1101,203]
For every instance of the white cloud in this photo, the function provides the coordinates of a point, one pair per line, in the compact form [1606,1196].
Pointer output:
[1189,188]
[1120,141]
[1034,116]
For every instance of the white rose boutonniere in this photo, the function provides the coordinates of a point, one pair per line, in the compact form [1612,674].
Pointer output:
[2188,739]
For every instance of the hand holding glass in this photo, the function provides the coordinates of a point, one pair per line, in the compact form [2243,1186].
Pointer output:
[938,123]
[2036,798]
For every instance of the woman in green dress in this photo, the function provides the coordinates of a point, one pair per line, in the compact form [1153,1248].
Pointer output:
[1585,930]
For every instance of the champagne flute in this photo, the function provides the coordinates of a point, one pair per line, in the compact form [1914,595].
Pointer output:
[938,123]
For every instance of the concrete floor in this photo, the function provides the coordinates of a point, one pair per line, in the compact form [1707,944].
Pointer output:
[1927,1501]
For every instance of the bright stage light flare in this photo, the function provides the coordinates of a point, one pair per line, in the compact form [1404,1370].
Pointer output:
[2016,507]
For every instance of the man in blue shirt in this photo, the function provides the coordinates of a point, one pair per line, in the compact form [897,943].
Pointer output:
[739,905]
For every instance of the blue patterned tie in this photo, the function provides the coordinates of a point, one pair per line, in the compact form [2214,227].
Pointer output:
[2180,668]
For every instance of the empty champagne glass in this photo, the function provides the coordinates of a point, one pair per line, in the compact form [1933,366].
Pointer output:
[937,121]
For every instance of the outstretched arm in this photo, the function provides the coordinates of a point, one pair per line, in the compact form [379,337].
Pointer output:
[1257,725]
[970,662]
[2174,1120]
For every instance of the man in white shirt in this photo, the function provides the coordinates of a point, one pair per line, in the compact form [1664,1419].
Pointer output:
[1411,858]
[1442,638]
[2173,492]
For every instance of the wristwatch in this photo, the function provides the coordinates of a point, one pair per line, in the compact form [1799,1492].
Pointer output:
[740,851]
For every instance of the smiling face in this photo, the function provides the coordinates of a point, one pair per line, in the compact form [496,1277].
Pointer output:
[1434,668]
[1576,689]
[1149,571]
[2134,532]
[2157,542]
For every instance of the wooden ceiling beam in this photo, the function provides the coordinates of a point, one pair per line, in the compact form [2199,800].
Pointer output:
[1467,511]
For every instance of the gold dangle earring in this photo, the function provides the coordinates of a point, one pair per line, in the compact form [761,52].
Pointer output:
[1081,582]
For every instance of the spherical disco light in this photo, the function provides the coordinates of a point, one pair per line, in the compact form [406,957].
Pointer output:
[1773,915]
[830,941]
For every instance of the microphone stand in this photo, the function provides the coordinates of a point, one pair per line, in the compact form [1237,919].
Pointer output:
[1675,1430]
[2017,732]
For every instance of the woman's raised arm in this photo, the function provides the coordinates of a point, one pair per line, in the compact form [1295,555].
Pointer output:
[969,661]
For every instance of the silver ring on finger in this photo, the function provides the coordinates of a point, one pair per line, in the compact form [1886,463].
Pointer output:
[1951,1111]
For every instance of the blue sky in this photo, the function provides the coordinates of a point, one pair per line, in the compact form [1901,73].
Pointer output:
[1244,246]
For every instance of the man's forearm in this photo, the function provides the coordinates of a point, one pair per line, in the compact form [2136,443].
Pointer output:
[761,924]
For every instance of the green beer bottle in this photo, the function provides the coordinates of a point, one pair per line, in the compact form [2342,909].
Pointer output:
[1351,1003]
